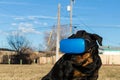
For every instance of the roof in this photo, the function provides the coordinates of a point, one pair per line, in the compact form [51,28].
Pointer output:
[109,48]
[5,49]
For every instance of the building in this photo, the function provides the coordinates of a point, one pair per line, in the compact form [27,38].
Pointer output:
[110,55]
[109,50]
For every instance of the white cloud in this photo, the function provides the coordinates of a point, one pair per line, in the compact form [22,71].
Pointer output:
[32,17]
[42,16]
[48,17]
[36,22]
[15,33]
[19,18]
[13,3]
[27,28]
[3,32]
[117,25]
[40,23]
[105,25]
[13,24]
[25,24]
[45,24]
[1,14]
[86,8]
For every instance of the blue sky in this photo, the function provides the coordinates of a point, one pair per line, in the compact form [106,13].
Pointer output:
[33,18]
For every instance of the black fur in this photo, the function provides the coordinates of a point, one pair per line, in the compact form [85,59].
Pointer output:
[81,66]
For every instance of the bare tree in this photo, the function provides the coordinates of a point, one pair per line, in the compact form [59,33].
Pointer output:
[22,46]
[18,43]
[50,37]
[40,47]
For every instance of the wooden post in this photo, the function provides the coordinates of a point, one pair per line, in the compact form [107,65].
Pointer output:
[9,61]
[21,61]
[58,34]
[71,5]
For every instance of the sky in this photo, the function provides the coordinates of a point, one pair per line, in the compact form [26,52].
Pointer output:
[33,18]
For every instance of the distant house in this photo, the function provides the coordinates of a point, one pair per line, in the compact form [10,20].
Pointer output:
[11,56]
[5,55]
[110,50]
[110,55]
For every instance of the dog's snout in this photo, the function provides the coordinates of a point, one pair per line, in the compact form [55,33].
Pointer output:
[73,58]
[76,58]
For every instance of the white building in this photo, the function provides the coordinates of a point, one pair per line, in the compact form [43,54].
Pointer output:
[110,55]
[109,51]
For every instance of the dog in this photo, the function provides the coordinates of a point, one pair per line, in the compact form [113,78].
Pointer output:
[83,66]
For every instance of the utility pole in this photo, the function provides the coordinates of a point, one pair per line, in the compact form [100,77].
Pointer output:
[71,16]
[49,37]
[58,34]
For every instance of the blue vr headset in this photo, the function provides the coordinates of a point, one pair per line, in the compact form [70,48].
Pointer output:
[73,46]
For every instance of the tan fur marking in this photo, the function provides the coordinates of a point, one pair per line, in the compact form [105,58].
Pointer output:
[80,59]
[86,55]
[77,74]
[89,60]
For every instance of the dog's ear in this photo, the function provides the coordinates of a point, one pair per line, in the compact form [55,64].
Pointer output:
[98,38]
[80,33]
[72,36]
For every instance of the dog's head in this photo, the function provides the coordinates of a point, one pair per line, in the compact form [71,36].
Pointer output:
[93,41]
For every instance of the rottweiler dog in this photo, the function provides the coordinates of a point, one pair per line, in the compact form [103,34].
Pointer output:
[83,66]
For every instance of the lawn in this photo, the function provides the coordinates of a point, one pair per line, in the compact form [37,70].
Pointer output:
[35,72]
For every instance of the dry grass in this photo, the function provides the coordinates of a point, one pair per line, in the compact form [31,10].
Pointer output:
[35,72]
[109,73]
[21,72]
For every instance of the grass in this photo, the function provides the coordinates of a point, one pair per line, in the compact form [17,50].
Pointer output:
[109,73]
[20,72]
[36,72]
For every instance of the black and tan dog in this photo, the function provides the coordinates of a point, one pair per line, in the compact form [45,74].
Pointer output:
[80,66]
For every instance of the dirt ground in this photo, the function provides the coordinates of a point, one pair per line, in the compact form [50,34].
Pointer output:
[36,72]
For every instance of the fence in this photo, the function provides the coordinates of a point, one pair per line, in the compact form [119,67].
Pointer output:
[110,59]
[106,59]
[44,60]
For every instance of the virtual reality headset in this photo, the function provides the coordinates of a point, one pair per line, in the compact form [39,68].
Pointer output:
[73,46]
